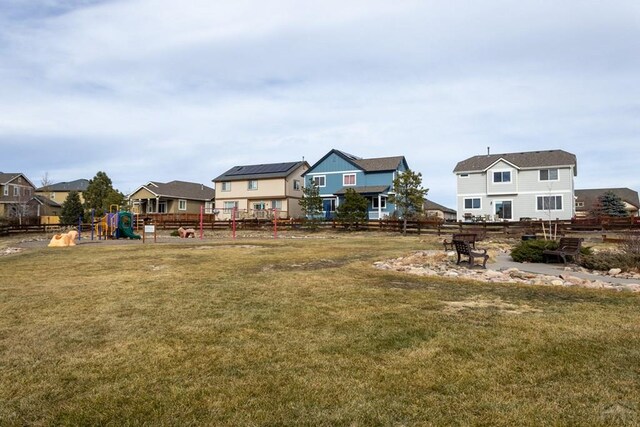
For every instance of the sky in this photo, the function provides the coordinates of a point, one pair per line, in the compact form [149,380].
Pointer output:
[160,90]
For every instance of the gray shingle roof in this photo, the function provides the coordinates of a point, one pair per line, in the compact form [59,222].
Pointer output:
[430,205]
[261,171]
[47,201]
[181,190]
[530,159]
[77,185]
[590,196]
[371,189]
[379,164]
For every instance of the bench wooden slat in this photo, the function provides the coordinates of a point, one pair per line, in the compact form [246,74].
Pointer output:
[464,248]
[567,247]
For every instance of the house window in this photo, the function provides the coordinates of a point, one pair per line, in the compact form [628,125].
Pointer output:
[548,174]
[472,203]
[382,205]
[549,203]
[162,207]
[464,175]
[502,176]
[579,204]
[6,190]
[259,206]
[226,186]
[504,209]
[319,180]
[182,205]
[329,205]
[52,196]
[16,191]
[349,179]
[252,185]
[276,204]
[296,184]
[228,206]
[208,207]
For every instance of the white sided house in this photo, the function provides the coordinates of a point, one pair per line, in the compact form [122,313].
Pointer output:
[515,186]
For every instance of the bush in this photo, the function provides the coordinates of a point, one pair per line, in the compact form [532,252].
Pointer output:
[605,261]
[531,250]
[175,233]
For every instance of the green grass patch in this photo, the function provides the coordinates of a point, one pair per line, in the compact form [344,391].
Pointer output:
[302,332]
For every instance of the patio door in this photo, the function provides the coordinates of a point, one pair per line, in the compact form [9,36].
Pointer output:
[504,209]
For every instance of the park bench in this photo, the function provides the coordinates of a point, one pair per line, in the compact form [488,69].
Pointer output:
[465,248]
[568,247]
[467,237]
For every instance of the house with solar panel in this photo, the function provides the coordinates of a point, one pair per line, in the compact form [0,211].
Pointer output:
[372,178]
[260,191]
[514,186]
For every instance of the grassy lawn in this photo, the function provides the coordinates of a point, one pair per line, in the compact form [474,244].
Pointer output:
[302,332]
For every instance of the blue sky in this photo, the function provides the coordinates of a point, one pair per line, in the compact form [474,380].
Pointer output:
[162,90]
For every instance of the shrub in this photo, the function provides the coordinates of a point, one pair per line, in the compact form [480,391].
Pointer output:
[531,250]
[605,261]
[175,233]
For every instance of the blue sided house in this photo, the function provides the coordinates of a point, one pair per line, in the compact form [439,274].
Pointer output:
[372,178]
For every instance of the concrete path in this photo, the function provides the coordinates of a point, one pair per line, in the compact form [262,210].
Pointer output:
[504,262]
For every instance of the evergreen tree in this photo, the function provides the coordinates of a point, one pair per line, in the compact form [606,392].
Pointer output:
[353,209]
[610,204]
[311,204]
[100,194]
[72,209]
[409,195]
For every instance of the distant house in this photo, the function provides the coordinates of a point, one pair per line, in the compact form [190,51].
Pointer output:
[256,191]
[59,192]
[432,209]
[48,210]
[587,199]
[373,178]
[15,193]
[172,198]
[510,186]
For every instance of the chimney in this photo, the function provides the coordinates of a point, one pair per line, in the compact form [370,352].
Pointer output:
[488,151]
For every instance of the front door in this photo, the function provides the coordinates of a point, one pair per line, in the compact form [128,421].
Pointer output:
[504,210]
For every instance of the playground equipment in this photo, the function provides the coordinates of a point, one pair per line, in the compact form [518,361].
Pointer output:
[115,225]
[64,240]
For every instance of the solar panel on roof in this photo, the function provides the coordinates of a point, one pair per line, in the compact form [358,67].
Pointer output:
[260,169]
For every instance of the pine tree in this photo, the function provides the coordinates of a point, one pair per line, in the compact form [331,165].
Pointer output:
[353,209]
[610,204]
[100,194]
[311,204]
[408,195]
[72,209]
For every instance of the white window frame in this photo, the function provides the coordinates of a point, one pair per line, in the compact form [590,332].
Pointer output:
[464,175]
[182,205]
[495,209]
[555,197]
[548,170]
[228,206]
[344,179]
[6,190]
[252,185]
[578,204]
[226,186]
[16,191]
[501,172]
[464,203]
[383,203]
[296,184]
[276,204]
[322,178]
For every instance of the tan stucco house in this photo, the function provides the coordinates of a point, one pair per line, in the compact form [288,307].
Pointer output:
[173,197]
[59,192]
[257,191]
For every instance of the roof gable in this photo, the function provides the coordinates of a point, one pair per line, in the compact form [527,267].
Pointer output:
[179,190]
[379,164]
[6,178]
[590,196]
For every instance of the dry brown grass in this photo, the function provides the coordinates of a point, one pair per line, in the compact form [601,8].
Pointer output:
[304,331]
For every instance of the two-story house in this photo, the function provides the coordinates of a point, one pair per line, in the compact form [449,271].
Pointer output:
[588,199]
[58,192]
[511,186]
[372,178]
[15,193]
[175,197]
[259,191]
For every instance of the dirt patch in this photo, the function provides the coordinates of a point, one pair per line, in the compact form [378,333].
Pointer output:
[481,303]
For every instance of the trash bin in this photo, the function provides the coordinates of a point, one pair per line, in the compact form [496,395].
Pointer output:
[528,237]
